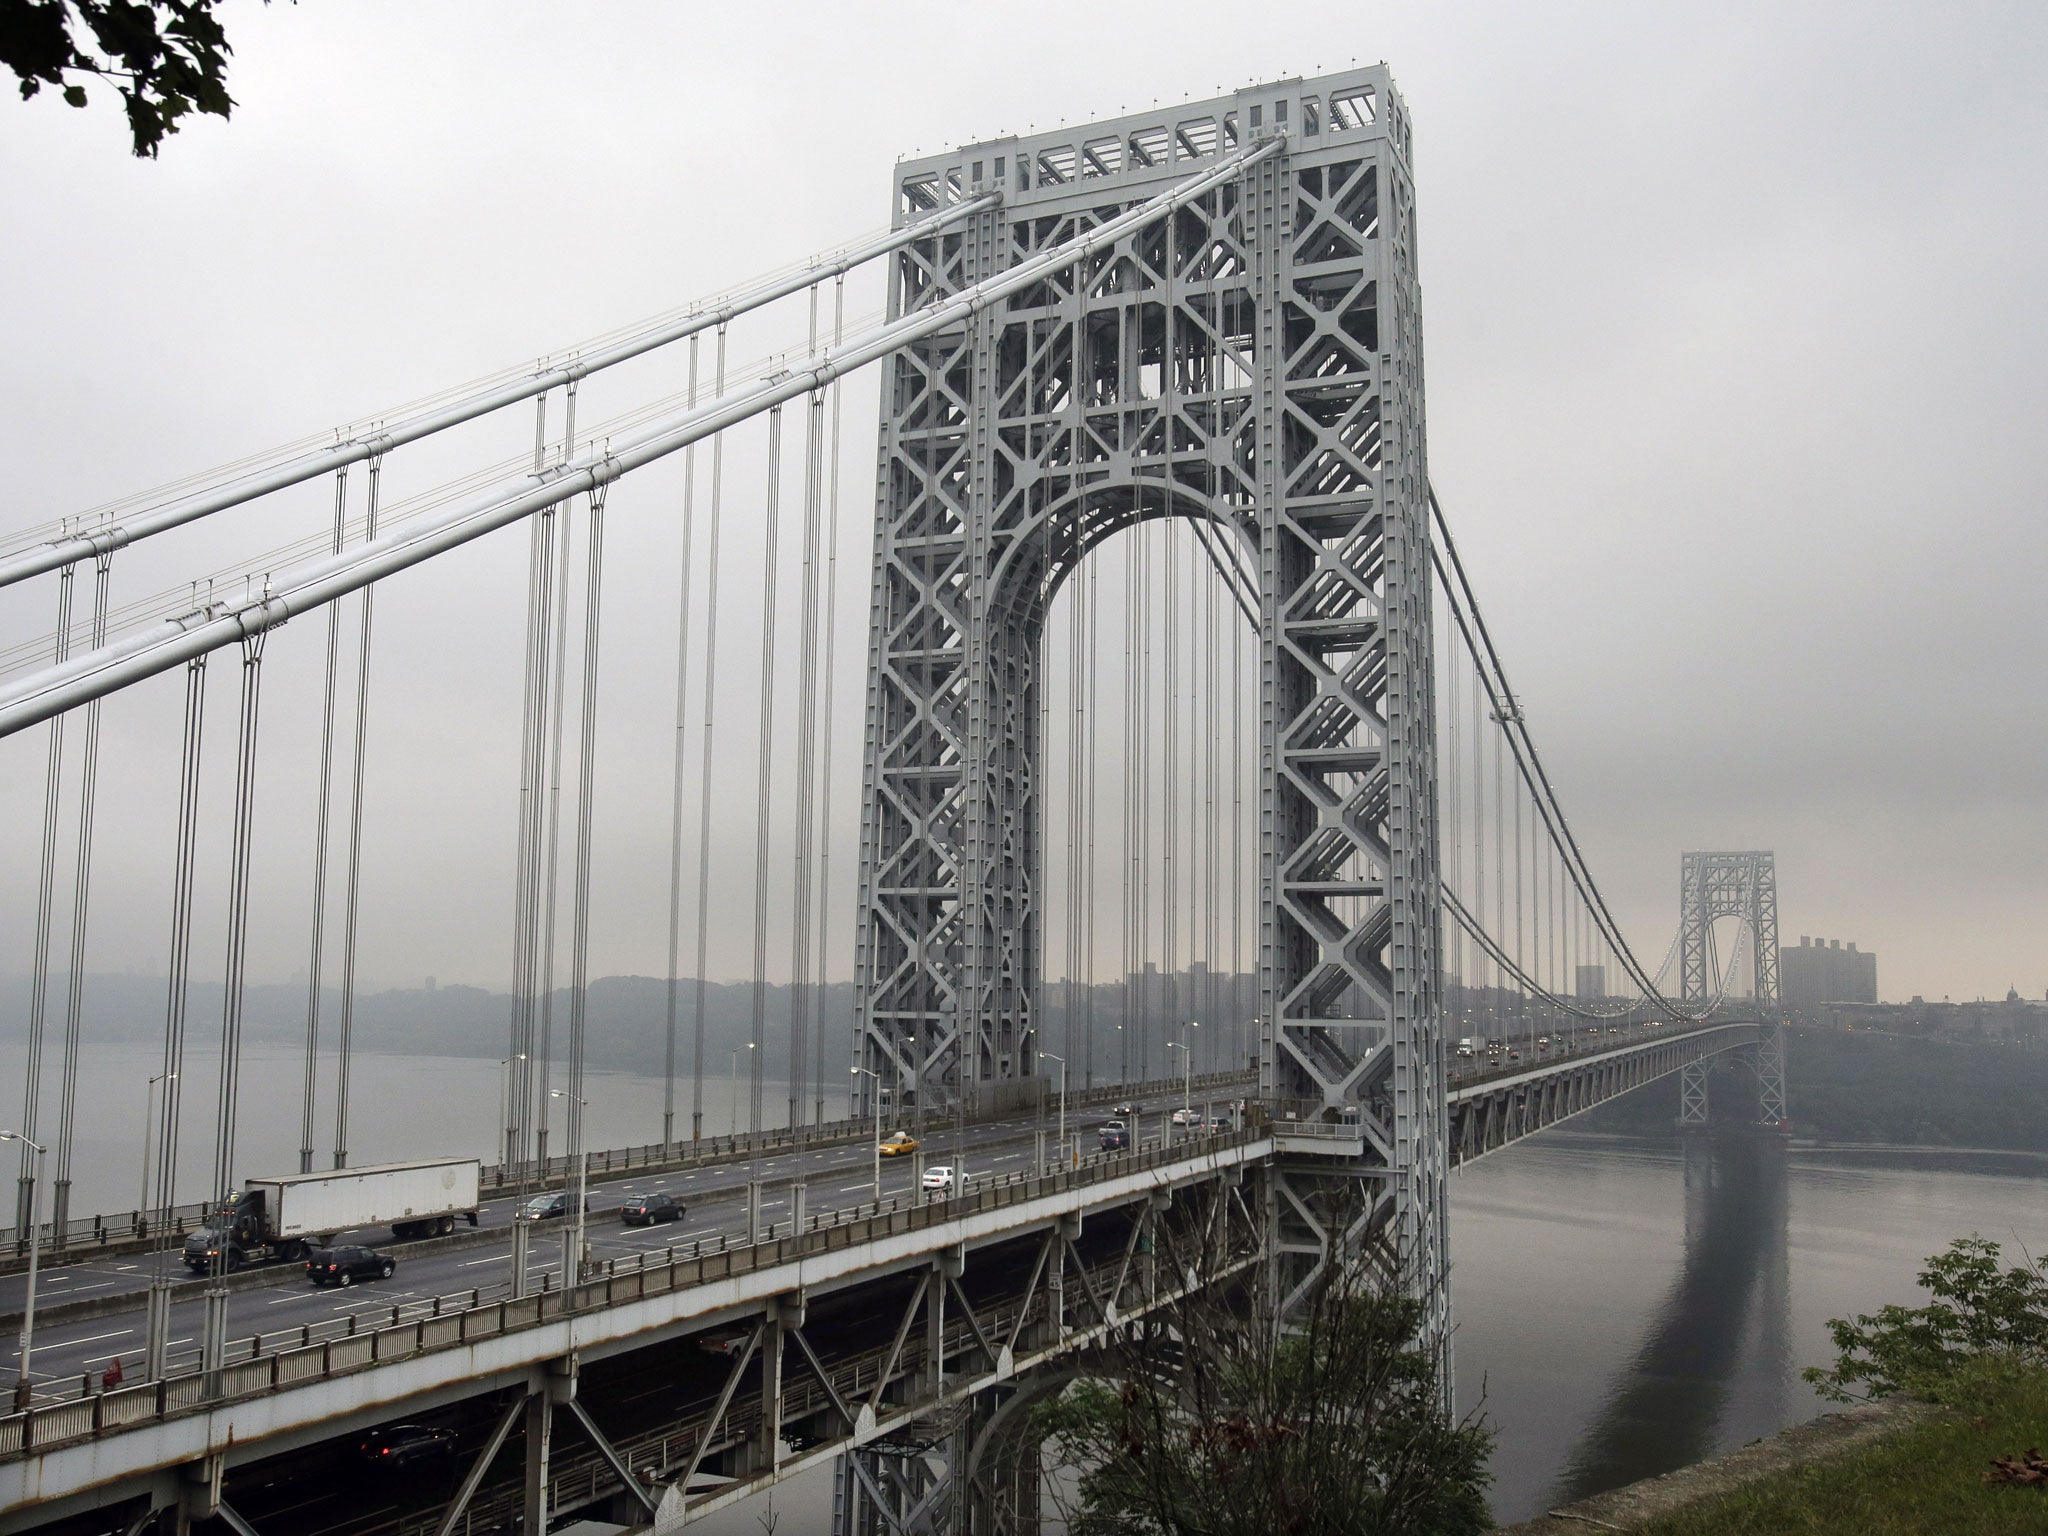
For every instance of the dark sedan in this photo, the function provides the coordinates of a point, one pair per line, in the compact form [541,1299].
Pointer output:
[345,1266]
[549,1207]
[407,1445]
[647,1210]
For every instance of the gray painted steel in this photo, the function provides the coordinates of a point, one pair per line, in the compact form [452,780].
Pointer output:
[1254,360]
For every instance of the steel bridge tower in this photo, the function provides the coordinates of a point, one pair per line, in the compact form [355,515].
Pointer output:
[1253,364]
[1745,886]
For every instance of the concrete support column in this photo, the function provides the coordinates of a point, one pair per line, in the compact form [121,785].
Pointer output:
[540,1426]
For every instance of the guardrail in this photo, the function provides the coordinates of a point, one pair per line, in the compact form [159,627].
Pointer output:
[101,1411]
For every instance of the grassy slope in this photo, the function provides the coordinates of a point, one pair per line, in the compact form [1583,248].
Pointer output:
[1927,1480]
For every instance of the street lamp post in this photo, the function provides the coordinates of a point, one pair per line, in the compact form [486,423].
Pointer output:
[142,1206]
[1187,1080]
[732,1091]
[572,1262]
[1062,1142]
[865,1072]
[22,1389]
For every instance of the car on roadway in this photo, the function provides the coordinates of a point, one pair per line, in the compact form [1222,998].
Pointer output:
[897,1145]
[649,1210]
[939,1178]
[346,1264]
[1114,1135]
[1186,1117]
[1219,1124]
[1125,1111]
[549,1207]
[396,1446]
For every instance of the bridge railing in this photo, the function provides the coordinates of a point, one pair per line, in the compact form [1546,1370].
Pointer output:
[614,1284]
[100,1233]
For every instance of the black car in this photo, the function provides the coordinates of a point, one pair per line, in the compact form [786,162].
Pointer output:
[1114,1135]
[347,1265]
[407,1445]
[646,1210]
[549,1207]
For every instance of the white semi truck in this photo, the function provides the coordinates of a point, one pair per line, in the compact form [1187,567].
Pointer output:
[280,1218]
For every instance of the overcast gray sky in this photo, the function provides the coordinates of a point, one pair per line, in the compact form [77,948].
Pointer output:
[1736,395]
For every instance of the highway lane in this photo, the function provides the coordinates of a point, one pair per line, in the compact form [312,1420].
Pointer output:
[835,1177]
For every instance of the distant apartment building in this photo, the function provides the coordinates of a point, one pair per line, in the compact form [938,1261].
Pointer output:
[1591,985]
[1824,971]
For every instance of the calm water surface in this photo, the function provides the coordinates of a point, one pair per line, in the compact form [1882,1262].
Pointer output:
[1629,1304]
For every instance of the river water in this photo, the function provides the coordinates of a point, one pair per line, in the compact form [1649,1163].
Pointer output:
[1625,1303]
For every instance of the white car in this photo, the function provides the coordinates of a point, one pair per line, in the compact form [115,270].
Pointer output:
[938,1178]
[1186,1117]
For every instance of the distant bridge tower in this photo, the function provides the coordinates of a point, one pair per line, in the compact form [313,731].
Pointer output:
[1254,365]
[1744,886]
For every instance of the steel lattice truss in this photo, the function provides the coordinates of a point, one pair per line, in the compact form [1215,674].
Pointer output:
[1742,885]
[1253,362]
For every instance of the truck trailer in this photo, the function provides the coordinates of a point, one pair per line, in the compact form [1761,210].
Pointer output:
[280,1218]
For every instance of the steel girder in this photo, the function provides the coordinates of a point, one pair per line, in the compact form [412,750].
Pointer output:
[1486,1118]
[1255,361]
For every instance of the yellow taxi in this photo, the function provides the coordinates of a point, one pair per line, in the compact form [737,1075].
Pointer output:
[896,1145]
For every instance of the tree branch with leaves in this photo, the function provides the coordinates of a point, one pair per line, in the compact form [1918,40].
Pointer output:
[167,58]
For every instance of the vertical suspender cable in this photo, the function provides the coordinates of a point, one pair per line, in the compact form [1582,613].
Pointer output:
[1176,1010]
[518,1051]
[533,722]
[39,975]
[825,749]
[355,837]
[88,794]
[524,1053]
[675,841]
[764,777]
[158,1330]
[550,890]
[586,789]
[704,773]
[802,1002]
[1091,662]
[1132,793]
[309,1091]
[1143,1043]
[238,916]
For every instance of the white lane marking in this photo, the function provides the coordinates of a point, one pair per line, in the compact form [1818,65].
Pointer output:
[496,1258]
[73,1290]
[293,1296]
[118,1333]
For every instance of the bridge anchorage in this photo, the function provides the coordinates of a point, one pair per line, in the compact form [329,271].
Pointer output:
[1203,320]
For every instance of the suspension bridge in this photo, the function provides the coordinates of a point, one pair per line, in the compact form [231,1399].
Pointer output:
[1180,714]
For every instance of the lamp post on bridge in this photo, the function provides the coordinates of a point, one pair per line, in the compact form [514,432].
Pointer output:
[572,1258]
[865,1072]
[22,1390]
[1062,1142]
[1187,1078]
[142,1206]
